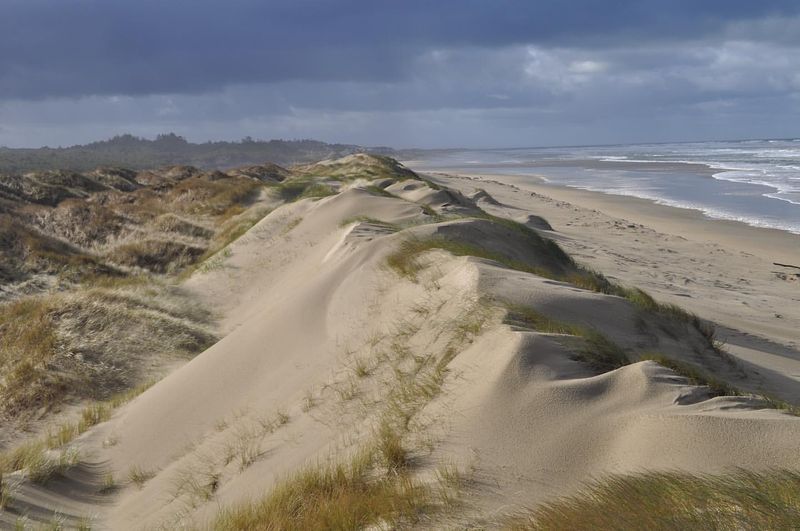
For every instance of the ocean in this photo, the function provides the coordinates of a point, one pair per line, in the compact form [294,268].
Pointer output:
[753,181]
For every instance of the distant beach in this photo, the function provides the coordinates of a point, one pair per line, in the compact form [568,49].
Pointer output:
[756,182]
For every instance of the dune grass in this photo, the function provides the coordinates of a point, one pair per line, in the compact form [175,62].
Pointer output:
[374,486]
[598,351]
[561,267]
[156,255]
[345,495]
[525,316]
[296,189]
[603,354]
[38,457]
[28,339]
[743,500]
[220,198]
[695,375]
[405,260]
[39,337]
[363,166]
[38,462]
[6,492]
[138,475]
[372,221]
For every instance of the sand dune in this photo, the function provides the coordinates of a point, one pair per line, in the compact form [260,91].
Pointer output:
[326,342]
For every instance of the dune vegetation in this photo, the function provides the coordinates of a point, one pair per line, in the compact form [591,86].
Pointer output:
[390,344]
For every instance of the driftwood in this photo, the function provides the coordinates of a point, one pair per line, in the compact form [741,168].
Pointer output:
[785,265]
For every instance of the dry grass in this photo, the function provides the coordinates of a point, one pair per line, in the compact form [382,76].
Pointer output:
[196,482]
[244,446]
[25,251]
[281,417]
[174,224]
[332,496]
[389,445]
[139,476]
[157,256]
[673,501]
[61,345]
[373,488]
[28,339]
[7,492]
[222,198]
[37,456]
[232,229]
[37,461]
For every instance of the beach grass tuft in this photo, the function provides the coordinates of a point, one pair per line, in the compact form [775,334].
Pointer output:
[673,500]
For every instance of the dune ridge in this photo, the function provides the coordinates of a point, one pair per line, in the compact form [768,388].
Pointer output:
[456,367]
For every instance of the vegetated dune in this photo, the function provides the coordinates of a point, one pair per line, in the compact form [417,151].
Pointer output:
[393,355]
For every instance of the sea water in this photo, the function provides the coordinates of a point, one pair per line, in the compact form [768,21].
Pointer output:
[753,181]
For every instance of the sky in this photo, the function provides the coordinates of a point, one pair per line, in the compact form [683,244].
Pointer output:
[410,73]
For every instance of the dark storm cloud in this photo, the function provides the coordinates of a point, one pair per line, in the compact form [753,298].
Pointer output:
[74,48]
[399,72]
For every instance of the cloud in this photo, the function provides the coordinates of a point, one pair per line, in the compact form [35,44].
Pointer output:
[87,47]
[416,72]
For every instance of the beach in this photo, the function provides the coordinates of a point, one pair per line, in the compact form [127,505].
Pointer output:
[722,270]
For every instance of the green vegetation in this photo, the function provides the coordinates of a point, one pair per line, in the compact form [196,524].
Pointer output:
[742,500]
[552,263]
[405,261]
[377,190]
[601,353]
[598,351]
[39,463]
[168,149]
[294,190]
[358,166]
[694,375]
[527,317]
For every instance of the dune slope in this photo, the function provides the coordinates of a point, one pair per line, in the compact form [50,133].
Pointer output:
[384,316]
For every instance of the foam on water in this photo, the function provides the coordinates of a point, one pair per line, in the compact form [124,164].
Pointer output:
[753,181]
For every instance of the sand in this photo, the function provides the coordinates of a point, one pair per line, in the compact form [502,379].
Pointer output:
[306,294]
[722,270]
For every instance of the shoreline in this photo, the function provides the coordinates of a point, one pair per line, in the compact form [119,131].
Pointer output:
[738,194]
[723,271]
[679,221]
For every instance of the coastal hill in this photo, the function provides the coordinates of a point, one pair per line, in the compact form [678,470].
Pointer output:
[170,149]
[348,344]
